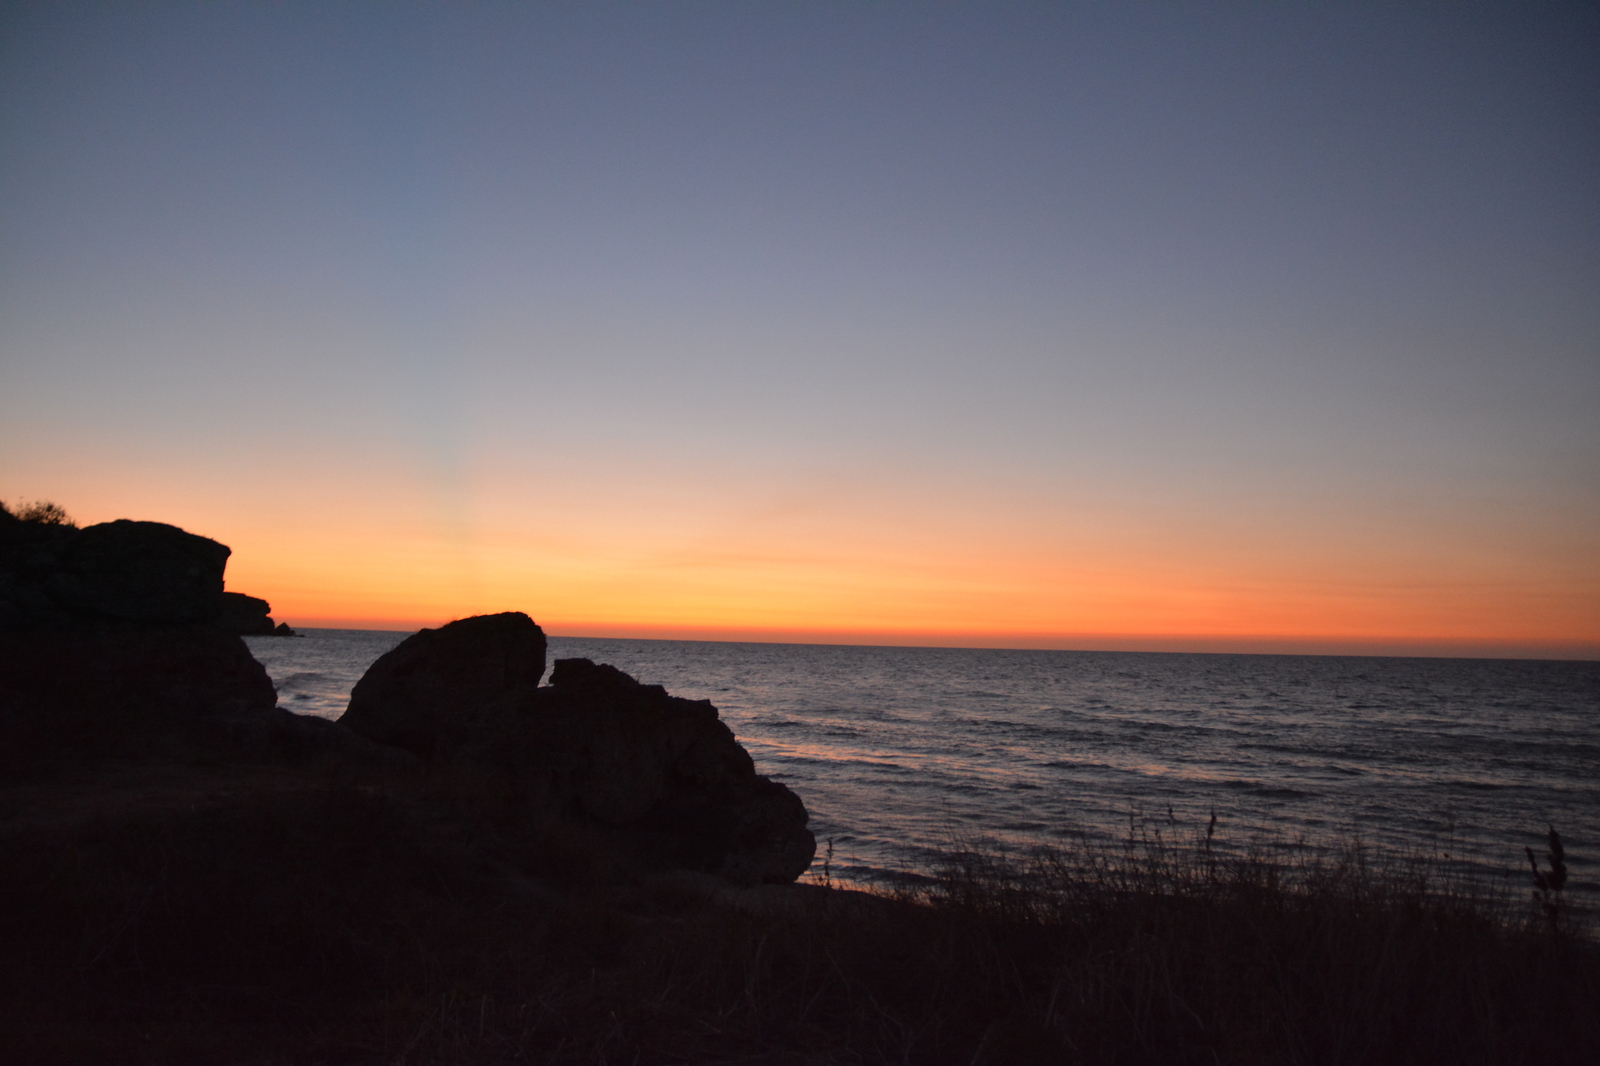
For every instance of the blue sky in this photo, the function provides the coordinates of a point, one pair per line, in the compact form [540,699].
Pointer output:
[1216,282]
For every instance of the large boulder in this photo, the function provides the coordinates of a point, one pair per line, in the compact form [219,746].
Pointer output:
[427,694]
[664,769]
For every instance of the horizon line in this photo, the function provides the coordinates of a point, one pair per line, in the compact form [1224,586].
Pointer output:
[1176,643]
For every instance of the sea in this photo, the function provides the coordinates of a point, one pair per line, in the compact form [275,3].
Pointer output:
[905,754]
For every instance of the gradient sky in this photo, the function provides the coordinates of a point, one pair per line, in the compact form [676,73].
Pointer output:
[1115,325]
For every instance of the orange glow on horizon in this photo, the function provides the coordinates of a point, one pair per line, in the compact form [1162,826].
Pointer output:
[950,364]
[908,570]
[1200,643]
[1108,601]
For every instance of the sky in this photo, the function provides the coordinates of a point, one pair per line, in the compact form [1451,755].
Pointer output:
[1189,326]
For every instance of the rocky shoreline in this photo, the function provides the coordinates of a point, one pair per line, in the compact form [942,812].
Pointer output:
[119,641]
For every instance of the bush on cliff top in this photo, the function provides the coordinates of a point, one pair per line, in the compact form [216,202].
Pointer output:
[40,512]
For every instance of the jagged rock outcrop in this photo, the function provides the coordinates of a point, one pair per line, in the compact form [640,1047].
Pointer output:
[249,616]
[59,576]
[246,616]
[108,641]
[142,572]
[665,773]
[630,755]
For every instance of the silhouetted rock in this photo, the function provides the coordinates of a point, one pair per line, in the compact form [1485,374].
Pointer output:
[145,572]
[31,555]
[249,616]
[279,735]
[244,615]
[663,768]
[121,689]
[109,643]
[426,694]
[664,774]
[142,572]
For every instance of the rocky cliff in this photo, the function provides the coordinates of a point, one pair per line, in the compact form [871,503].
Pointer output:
[109,643]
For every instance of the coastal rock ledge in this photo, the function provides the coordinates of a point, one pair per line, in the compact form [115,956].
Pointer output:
[109,643]
[249,616]
[662,774]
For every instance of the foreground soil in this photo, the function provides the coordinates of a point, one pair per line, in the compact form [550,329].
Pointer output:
[227,912]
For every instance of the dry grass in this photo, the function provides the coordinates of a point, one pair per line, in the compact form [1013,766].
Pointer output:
[348,924]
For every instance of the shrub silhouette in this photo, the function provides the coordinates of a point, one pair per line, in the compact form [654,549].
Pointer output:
[41,513]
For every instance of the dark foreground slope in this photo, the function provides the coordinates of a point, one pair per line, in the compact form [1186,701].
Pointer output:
[297,920]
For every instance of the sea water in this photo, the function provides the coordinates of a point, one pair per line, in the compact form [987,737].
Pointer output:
[901,752]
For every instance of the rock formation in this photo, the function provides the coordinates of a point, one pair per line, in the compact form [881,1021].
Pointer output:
[245,616]
[428,693]
[118,640]
[631,756]
[108,638]
[249,616]
[54,577]
[122,690]
[662,772]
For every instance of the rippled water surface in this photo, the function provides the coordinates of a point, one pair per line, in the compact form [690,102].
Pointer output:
[895,750]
